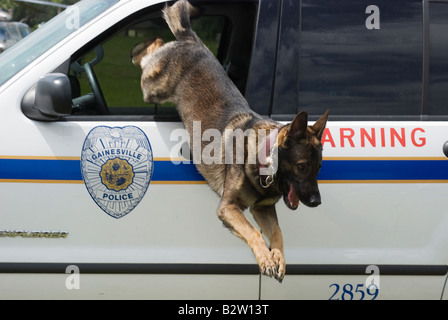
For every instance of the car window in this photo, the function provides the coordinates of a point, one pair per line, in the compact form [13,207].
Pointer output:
[119,79]
[3,36]
[24,29]
[356,59]
[13,31]
[24,52]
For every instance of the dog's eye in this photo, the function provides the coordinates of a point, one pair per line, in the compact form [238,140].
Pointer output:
[301,166]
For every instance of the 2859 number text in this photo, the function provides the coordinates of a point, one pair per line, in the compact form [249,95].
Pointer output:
[349,292]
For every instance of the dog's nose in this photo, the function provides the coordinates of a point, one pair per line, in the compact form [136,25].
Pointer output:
[314,200]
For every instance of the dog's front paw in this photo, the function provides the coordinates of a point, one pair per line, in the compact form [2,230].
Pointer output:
[279,261]
[272,264]
[267,264]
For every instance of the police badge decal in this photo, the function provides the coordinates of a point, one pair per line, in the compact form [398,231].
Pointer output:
[116,166]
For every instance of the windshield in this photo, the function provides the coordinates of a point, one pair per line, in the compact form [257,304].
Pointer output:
[24,52]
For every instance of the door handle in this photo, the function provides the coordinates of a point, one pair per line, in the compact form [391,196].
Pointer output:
[445,149]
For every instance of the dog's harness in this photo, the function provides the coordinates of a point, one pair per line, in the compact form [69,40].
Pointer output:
[268,159]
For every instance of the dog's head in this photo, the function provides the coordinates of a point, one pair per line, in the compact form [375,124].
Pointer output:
[300,159]
[157,82]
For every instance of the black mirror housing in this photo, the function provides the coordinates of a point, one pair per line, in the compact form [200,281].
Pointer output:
[49,99]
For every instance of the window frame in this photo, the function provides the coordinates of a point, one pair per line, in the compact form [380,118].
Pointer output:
[125,22]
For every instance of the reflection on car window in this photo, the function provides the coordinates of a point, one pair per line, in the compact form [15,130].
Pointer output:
[354,70]
[2,34]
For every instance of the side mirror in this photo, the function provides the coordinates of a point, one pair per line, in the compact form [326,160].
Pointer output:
[49,99]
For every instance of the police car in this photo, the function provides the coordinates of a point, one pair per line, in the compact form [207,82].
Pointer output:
[94,202]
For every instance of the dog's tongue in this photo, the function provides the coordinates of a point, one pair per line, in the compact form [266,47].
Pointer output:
[292,198]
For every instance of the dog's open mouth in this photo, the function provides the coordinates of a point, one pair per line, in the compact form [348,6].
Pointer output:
[290,197]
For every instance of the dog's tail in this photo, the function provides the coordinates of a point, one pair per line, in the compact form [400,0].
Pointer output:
[178,18]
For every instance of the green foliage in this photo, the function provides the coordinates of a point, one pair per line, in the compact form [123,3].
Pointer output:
[7,4]
[33,14]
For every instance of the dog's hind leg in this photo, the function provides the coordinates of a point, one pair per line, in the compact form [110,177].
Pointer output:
[266,218]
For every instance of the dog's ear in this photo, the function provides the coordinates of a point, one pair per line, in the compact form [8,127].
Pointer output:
[319,127]
[297,129]
[293,132]
[143,49]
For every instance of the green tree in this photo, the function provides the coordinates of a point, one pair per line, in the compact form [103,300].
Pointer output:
[7,4]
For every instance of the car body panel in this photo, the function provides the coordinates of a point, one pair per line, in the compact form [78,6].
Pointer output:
[382,185]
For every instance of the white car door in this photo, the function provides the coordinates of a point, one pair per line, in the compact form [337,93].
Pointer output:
[380,232]
[93,204]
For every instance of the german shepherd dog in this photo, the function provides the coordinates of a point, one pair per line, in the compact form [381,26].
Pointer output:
[187,73]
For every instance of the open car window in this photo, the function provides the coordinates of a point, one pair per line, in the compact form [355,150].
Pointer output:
[105,82]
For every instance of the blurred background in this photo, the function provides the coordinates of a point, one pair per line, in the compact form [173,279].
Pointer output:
[32,12]
[18,18]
